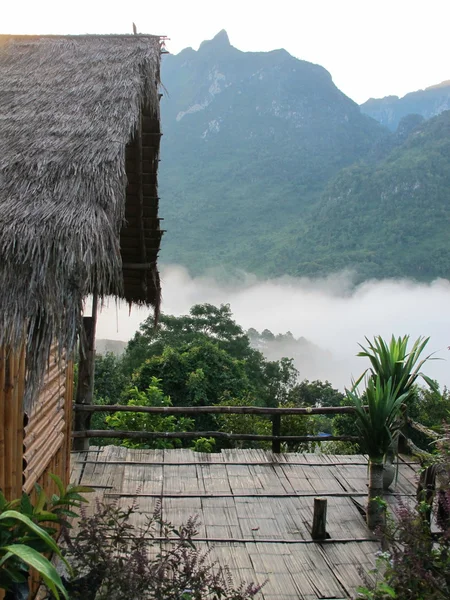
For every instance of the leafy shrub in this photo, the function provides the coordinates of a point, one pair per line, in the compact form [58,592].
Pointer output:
[204,444]
[416,561]
[138,421]
[25,534]
[155,562]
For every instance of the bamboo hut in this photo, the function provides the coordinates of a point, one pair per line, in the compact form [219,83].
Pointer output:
[79,146]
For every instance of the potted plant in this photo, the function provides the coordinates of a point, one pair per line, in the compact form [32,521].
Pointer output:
[390,381]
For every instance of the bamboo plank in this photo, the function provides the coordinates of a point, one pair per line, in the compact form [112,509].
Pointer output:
[10,422]
[2,416]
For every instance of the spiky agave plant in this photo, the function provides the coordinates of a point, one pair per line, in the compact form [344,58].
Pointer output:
[394,361]
[378,419]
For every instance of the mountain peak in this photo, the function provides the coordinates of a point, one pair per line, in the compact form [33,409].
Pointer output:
[220,40]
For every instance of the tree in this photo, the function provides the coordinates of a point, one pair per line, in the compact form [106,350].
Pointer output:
[204,322]
[430,407]
[208,339]
[110,380]
[197,375]
[315,393]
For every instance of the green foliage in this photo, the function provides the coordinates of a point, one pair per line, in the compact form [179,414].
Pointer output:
[243,423]
[204,322]
[204,444]
[380,423]
[59,509]
[394,362]
[430,407]
[137,421]
[385,218]
[204,357]
[22,542]
[315,393]
[291,425]
[194,375]
[123,561]
[110,379]
[416,562]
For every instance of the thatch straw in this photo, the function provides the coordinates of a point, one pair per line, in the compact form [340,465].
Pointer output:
[68,108]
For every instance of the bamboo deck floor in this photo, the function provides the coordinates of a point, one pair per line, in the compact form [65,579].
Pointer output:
[255,510]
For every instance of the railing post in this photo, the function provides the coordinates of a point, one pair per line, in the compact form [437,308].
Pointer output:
[319,525]
[276,431]
[85,384]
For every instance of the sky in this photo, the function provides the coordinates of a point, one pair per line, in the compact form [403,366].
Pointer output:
[330,312]
[371,48]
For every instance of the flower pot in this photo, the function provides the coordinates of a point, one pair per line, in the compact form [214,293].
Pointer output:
[388,474]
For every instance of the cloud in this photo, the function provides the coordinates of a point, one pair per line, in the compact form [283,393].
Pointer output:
[331,312]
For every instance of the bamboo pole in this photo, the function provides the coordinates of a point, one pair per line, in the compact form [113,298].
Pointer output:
[10,419]
[238,410]
[86,365]
[21,417]
[152,435]
[68,416]
[2,416]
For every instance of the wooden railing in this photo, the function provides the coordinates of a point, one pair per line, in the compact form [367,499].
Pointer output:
[275,414]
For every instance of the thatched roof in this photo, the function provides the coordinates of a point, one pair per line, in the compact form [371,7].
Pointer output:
[71,112]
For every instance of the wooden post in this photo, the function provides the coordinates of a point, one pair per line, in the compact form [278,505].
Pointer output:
[319,526]
[276,431]
[140,193]
[85,385]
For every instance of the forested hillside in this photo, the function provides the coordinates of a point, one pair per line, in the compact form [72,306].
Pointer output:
[250,141]
[269,168]
[389,218]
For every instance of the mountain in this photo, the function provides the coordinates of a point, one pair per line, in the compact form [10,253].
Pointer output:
[250,141]
[389,218]
[428,103]
[268,168]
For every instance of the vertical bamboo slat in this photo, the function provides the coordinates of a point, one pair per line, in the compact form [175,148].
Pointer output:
[68,416]
[20,386]
[2,417]
[10,415]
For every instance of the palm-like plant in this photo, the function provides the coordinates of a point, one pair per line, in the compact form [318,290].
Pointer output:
[393,361]
[378,420]
[394,371]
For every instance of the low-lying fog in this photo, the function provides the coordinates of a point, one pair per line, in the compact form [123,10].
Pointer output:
[331,313]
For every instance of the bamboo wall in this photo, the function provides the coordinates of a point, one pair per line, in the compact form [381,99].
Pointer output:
[34,445]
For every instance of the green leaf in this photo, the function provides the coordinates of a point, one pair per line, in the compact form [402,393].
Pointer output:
[384,587]
[59,483]
[26,508]
[42,498]
[12,514]
[41,564]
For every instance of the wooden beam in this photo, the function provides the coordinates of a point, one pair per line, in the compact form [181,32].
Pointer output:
[86,367]
[139,266]
[140,195]
[154,435]
[237,410]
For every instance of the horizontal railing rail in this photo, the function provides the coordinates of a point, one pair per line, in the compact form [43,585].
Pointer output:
[275,413]
[238,410]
